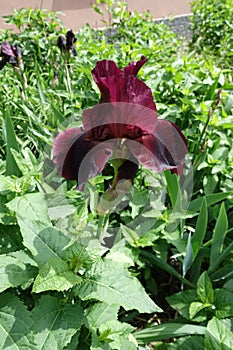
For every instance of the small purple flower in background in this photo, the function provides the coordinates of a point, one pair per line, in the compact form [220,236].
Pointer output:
[123,128]
[66,44]
[11,54]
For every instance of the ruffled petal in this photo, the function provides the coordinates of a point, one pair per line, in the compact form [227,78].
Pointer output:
[134,67]
[122,86]
[78,159]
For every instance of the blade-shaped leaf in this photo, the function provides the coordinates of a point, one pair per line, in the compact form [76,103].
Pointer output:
[55,323]
[166,331]
[218,237]
[112,283]
[11,166]
[200,230]
[15,324]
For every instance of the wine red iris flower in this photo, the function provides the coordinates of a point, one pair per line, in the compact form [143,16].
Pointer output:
[123,126]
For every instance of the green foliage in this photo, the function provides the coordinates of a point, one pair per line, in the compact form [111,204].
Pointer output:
[61,288]
[212,27]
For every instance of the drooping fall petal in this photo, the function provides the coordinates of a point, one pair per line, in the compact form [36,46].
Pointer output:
[78,159]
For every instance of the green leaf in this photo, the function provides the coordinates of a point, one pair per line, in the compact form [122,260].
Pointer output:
[55,275]
[166,331]
[16,268]
[223,303]
[55,323]
[113,284]
[182,300]
[15,324]
[218,237]
[173,186]
[10,238]
[39,236]
[210,200]
[218,336]
[11,143]
[201,225]
[187,343]
[165,266]
[116,333]
[197,307]
[189,258]
[204,289]
[100,313]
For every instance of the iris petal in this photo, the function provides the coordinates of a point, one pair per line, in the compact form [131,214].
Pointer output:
[163,150]
[122,85]
[136,118]
[78,159]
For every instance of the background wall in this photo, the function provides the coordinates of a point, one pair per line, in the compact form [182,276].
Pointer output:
[79,12]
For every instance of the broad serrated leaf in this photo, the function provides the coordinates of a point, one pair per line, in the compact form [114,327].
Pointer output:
[113,284]
[15,324]
[218,336]
[16,269]
[55,323]
[116,333]
[39,236]
[100,313]
[55,275]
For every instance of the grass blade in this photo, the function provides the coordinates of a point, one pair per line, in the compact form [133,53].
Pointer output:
[200,231]
[166,331]
[218,237]
[11,143]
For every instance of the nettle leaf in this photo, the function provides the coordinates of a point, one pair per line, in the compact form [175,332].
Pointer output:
[204,288]
[55,323]
[16,269]
[112,283]
[55,275]
[117,333]
[16,324]
[39,236]
[218,336]
[223,303]
[100,313]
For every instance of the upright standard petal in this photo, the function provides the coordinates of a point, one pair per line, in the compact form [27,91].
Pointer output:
[122,85]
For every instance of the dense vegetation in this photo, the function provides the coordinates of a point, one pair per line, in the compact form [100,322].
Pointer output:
[155,272]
